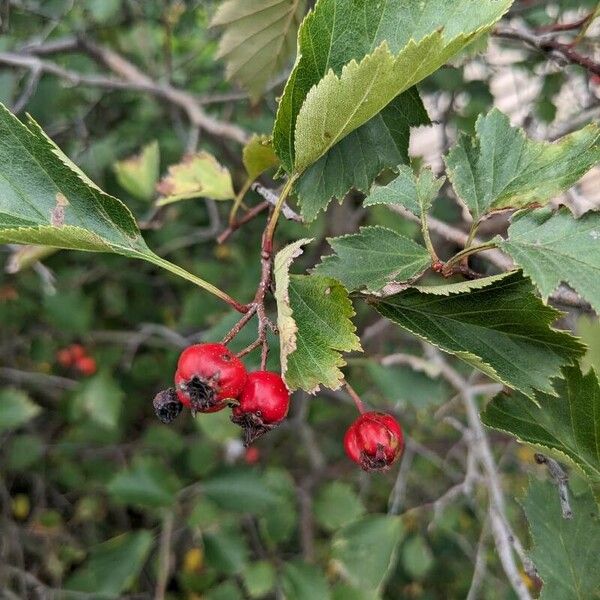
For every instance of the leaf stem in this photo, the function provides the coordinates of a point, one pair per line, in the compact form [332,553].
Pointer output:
[356,398]
[238,199]
[205,285]
[427,238]
[270,230]
[458,257]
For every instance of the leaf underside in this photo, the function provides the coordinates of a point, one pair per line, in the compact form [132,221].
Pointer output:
[258,40]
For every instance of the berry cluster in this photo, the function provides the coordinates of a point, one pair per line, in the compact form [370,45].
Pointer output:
[76,357]
[210,378]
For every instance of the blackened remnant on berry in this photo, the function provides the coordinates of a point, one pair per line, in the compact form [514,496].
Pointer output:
[253,426]
[379,462]
[202,394]
[167,406]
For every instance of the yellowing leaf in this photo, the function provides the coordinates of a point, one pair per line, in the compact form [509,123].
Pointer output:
[139,174]
[258,156]
[258,40]
[198,175]
[314,318]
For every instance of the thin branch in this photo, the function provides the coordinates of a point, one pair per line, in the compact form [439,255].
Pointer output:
[561,480]
[132,79]
[563,295]
[550,46]
[164,556]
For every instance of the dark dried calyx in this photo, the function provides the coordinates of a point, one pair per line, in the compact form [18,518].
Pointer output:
[167,406]
[202,394]
[253,426]
[377,462]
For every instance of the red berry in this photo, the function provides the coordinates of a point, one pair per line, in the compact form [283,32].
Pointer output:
[208,375]
[86,365]
[77,351]
[374,441]
[63,357]
[263,403]
[252,455]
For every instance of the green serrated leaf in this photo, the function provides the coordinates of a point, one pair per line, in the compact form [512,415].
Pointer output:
[355,162]
[502,329]
[315,327]
[258,156]
[45,199]
[501,168]
[100,399]
[226,551]
[373,258]
[139,174]
[241,491]
[553,247]
[565,551]
[340,31]
[364,551]
[198,175]
[113,566]
[16,408]
[302,581]
[416,192]
[568,425]
[258,40]
[336,505]
[259,578]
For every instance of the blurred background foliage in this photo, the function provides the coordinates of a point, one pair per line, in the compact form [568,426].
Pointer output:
[99,499]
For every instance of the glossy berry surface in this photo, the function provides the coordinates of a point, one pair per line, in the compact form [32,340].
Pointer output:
[207,375]
[374,441]
[263,403]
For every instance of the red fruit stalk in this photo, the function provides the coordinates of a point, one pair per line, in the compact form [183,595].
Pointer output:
[207,376]
[374,441]
[263,404]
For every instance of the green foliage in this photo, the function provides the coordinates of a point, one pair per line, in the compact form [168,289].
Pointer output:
[364,551]
[553,248]
[16,408]
[564,550]
[112,566]
[566,426]
[488,326]
[373,258]
[304,582]
[258,39]
[501,168]
[314,325]
[415,192]
[337,505]
[391,57]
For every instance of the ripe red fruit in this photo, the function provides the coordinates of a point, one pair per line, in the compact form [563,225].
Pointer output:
[63,357]
[263,404]
[77,351]
[86,365]
[374,441]
[207,375]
